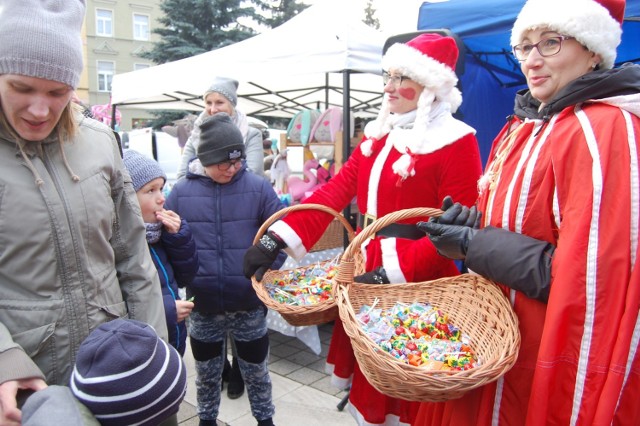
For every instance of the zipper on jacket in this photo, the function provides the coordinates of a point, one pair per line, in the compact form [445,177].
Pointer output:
[70,304]
[219,238]
[166,280]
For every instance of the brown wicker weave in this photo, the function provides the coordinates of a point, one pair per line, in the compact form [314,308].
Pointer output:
[318,313]
[333,237]
[474,304]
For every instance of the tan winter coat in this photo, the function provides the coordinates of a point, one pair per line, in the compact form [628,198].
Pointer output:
[73,254]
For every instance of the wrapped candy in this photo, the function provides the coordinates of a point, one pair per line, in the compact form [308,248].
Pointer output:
[420,335]
[304,286]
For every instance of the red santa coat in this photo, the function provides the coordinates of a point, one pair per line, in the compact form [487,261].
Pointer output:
[573,182]
[446,161]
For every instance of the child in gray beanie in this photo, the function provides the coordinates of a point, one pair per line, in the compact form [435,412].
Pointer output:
[79,256]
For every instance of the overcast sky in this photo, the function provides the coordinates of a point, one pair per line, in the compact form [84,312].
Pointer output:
[395,16]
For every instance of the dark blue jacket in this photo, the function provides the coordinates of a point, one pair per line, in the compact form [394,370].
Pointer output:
[176,260]
[224,219]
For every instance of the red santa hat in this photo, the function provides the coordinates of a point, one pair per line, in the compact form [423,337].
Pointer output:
[596,24]
[428,59]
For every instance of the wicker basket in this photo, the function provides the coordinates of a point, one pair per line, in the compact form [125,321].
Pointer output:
[474,304]
[315,314]
[333,237]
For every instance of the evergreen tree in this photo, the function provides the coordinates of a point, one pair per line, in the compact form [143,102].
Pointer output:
[369,16]
[191,27]
[280,11]
[165,117]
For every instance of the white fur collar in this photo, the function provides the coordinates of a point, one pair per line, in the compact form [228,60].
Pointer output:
[425,130]
[443,130]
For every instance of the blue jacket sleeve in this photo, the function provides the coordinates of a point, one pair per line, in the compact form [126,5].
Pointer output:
[182,254]
[272,204]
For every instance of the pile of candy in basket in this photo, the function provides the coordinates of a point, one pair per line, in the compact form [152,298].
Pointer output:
[420,335]
[306,285]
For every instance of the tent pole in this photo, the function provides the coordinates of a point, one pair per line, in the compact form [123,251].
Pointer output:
[113,117]
[326,90]
[346,140]
[113,128]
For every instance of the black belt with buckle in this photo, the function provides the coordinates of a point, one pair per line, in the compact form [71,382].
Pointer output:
[394,230]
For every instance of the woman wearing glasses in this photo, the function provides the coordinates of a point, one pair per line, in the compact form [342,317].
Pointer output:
[225,206]
[412,155]
[561,217]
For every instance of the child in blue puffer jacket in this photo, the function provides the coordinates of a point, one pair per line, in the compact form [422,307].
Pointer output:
[170,241]
[226,204]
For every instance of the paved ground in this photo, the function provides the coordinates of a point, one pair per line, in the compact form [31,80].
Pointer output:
[303,394]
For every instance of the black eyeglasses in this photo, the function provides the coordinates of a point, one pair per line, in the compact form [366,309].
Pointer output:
[227,164]
[396,80]
[546,47]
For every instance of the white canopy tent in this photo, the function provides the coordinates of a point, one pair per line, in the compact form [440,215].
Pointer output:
[323,57]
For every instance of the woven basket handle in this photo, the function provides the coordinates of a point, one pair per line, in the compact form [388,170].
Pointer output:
[280,213]
[347,267]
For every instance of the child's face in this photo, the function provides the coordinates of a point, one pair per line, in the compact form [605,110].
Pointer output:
[223,172]
[151,199]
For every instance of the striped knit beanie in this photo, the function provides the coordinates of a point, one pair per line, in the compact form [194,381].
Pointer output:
[41,38]
[125,374]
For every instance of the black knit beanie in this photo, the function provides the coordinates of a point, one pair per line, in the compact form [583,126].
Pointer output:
[220,140]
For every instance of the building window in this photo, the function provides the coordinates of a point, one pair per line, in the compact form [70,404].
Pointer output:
[104,22]
[140,27]
[106,70]
[137,67]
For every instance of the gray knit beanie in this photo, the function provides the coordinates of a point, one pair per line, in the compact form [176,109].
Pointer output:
[227,87]
[142,168]
[41,38]
[220,140]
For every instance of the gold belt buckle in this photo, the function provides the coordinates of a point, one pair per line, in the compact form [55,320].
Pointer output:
[368,220]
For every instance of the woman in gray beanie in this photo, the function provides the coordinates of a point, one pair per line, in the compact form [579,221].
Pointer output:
[222,97]
[73,242]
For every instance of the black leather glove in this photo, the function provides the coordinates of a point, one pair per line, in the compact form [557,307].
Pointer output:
[260,256]
[377,276]
[457,214]
[451,241]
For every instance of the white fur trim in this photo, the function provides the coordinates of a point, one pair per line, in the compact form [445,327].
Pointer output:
[367,147]
[295,248]
[338,382]
[630,103]
[401,166]
[442,130]
[422,69]
[363,249]
[374,179]
[389,419]
[588,21]
[390,261]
